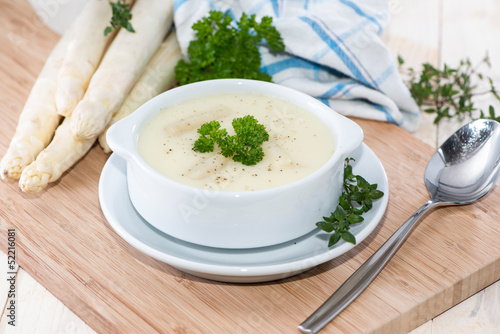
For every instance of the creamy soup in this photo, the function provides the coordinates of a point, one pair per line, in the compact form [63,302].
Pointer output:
[299,143]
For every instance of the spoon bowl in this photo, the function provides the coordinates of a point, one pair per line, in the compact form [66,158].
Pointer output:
[464,169]
[466,165]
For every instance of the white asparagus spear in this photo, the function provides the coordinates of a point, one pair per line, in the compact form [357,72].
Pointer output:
[208,166]
[63,152]
[39,117]
[83,54]
[194,122]
[121,66]
[282,158]
[158,76]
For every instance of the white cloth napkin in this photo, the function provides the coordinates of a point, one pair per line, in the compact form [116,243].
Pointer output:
[333,52]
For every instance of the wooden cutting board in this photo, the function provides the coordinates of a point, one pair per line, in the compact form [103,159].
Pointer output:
[65,243]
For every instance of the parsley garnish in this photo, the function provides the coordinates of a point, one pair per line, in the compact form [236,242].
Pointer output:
[449,92]
[121,17]
[355,190]
[221,50]
[244,147]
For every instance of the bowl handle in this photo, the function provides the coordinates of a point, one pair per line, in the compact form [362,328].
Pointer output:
[121,138]
[355,132]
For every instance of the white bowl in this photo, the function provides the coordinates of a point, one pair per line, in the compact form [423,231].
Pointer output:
[233,219]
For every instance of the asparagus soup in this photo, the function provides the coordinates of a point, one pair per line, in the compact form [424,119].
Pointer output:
[299,142]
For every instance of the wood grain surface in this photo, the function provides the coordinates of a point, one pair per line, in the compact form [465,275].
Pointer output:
[65,243]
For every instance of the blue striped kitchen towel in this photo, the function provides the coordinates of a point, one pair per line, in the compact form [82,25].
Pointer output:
[333,52]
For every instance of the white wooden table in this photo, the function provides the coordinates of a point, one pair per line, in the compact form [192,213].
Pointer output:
[435,31]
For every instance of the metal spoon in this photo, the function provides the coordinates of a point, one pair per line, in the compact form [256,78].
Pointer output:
[462,170]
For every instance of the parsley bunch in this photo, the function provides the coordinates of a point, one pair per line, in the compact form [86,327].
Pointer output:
[221,50]
[121,17]
[449,92]
[244,147]
[355,190]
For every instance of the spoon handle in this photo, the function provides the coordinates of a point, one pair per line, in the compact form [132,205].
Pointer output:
[363,276]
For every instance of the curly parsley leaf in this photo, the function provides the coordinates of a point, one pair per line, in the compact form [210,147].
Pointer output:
[121,17]
[246,143]
[222,50]
[211,133]
[357,198]
[244,146]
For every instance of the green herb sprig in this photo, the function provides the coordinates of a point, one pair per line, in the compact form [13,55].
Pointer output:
[221,50]
[449,92]
[357,198]
[121,17]
[244,146]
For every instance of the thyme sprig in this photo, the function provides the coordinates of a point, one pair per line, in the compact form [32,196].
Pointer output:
[449,92]
[121,17]
[357,198]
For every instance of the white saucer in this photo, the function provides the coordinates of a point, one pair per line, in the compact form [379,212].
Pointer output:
[234,265]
